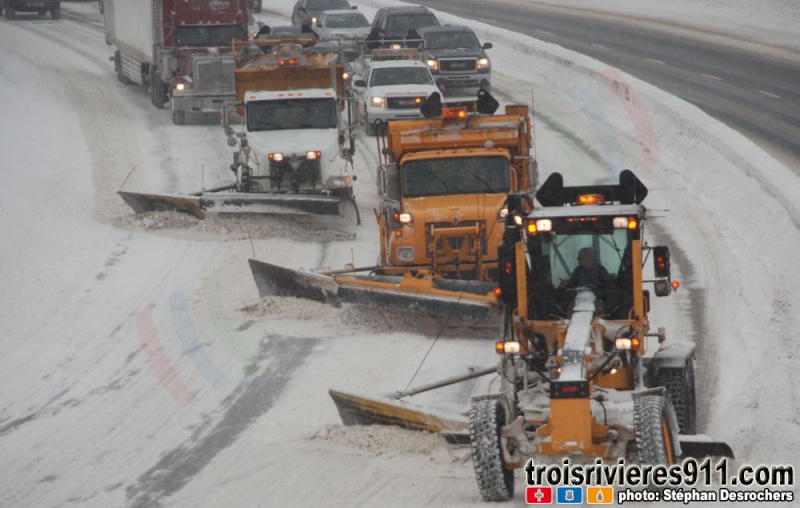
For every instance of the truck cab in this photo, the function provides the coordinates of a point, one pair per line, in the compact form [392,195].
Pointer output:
[443,190]
[294,134]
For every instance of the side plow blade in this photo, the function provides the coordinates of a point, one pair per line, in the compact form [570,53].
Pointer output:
[143,203]
[274,280]
[459,299]
[700,446]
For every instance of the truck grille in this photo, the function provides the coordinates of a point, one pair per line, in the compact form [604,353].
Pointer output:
[456,242]
[283,177]
[214,76]
[458,65]
[404,102]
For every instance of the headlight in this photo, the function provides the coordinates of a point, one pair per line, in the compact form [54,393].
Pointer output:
[277,157]
[313,155]
[622,343]
[404,217]
[483,64]
[405,254]
[377,101]
[433,64]
[510,347]
[180,87]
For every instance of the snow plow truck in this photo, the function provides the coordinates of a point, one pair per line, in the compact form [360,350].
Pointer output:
[577,376]
[292,145]
[442,185]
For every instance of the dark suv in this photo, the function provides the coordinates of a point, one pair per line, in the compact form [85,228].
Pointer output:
[39,6]
[456,58]
[391,25]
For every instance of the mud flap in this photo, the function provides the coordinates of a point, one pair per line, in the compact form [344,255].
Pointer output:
[700,446]
[357,409]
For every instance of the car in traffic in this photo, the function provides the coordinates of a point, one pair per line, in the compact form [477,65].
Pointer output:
[390,26]
[41,7]
[307,12]
[391,90]
[349,27]
[456,58]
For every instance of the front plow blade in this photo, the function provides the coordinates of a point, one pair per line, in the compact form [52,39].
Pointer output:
[357,409]
[298,204]
[700,446]
[241,202]
[458,299]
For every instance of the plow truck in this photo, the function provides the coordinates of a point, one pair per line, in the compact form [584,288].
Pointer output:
[582,374]
[180,51]
[442,184]
[290,134]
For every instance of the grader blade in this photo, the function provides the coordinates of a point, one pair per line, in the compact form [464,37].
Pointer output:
[700,446]
[357,409]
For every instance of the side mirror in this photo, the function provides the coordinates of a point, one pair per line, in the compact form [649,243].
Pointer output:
[487,45]
[661,269]
[360,83]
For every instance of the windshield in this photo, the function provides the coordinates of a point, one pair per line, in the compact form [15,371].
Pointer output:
[220,35]
[456,175]
[452,40]
[327,5]
[406,21]
[355,20]
[401,76]
[291,114]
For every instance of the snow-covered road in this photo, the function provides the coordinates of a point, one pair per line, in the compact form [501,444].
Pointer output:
[139,368]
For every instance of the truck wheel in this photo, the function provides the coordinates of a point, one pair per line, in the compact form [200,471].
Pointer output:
[679,383]
[652,428]
[55,12]
[495,480]
[158,92]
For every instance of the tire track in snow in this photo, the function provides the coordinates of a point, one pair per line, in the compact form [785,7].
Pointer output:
[251,399]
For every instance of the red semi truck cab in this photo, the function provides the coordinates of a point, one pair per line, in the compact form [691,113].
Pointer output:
[180,50]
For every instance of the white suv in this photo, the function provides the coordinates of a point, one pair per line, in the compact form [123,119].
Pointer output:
[391,90]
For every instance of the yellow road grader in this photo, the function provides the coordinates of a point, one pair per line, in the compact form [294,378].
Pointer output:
[582,373]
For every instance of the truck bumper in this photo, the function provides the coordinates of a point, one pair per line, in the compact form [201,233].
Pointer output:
[201,103]
[462,84]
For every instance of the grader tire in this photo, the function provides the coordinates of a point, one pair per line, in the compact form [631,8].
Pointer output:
[495,480]
[652,428]
[680,386]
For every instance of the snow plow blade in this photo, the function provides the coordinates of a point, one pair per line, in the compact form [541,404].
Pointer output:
[357,409]
[471,300]
[237,202]
[143,203]
[700,446]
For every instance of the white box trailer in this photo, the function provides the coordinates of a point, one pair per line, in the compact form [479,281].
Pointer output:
[179,50]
